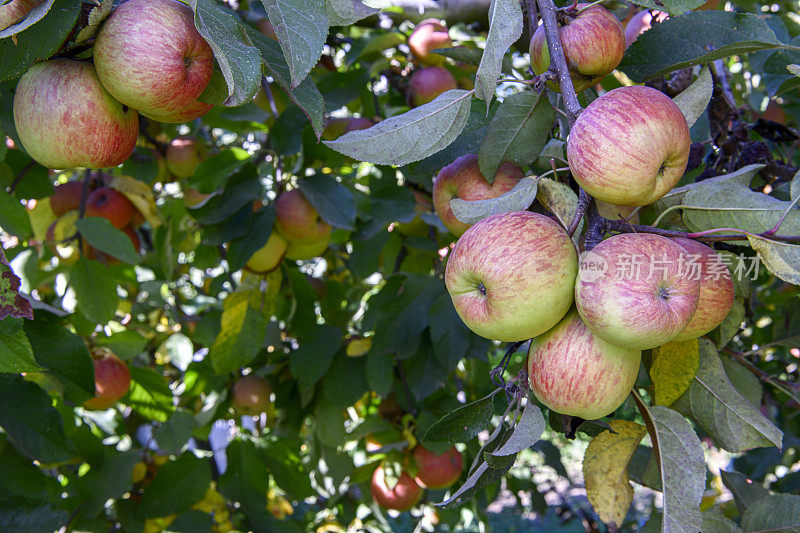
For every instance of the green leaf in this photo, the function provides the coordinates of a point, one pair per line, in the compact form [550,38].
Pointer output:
[38,42]
[127,343]
[716,522]
[243,331]
[693,101]
[505,28]
[379,372]
[177,486]
[673,7]
[732,322]
[347,12]
[411,136]
[150,394]
[26,516]
[109,479]
[96,17]
[777,512]
[175,432]
[235,196]
[14,217]
[463,424]
[345,381]
[214,171]
[16,354]
[95,290]
[746,492]
[301,27]
[775,74]
[333,201]
[744,381]
[31,422]
[286,465]
[260,228]
[693,39]
[449,335]
[517,199]
[480,478]
[561,200]
[315,354]
[102,235]
[329,424]
[780,258]
[236,56]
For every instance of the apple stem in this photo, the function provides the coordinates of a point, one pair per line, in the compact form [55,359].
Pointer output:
[558,61]
[496,374]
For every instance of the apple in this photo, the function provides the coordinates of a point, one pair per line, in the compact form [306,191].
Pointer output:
[358,123]
[640,23]
[429,35]
[112,379]
[463,179]
[632,290]
[184,154]
[251,395]
[629,147]
[401,497]
[593,43]
[511,275]
[437,471]
[149,55]
[268,257]
[301,252]
[15,10]
[193,197]
[716,289]
[66,197]
[616,212]
[574,372]
[107,203]
[297,220]
[428,83]
[265,26]
[65,118]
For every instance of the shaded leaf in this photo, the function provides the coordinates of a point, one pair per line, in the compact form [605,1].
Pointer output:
[462,424]
[99,233]
[716,522]
[175,432]
[95,290]
[524,434]
[673,7]
[780,258]
[449,335]
[315,354]
[560,200]
[674,365]
[746,492]
[177,486]
[693,101]
[14,217]
[346,12]
[777,512]
[16,354]
[333,201]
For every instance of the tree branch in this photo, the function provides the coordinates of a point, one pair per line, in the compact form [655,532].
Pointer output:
[558,61]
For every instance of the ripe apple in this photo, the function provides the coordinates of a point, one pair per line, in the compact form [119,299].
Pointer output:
[437,471]
[716,289]
[640,23]
[107,203]
[66,197]
[251,395]
[301,252]
[511,275]
[15,10]
[574,372]
[112,379]
[428,83]
[65,118]
[632,290]
[269,257]
[593,43]
[149,55]
[358,123]
[429,35]
[298,221]
[184,154]
[463,179]
[629,147]
[402,497]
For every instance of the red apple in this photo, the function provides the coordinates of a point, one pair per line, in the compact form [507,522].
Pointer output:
[436,471]
[298,221]
[107,203]
[574,372]
[429,35]
[65,118]
[251,395]
[593,43]
[629,147]
[149,55]
[356,123]
[632,290]
[66,197]
[463,179]
[428,83]
[511,275]
[16,10]
[184,154]
[112,379]
[269,256]
[401,497]
[716,289]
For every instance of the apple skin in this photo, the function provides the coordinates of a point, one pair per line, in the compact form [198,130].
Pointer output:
[511,275]
[428,83]
[65,118]
[636,307]
[110,204]
[640,23]
[15,11]
[429,35]
[268,257]
[251,395]
[303,252]
[149,55]
[437,471]
[593,43]
[66,197]
[401,497]
[184,154]
[574,372]
[629,147]
[463,179]
[112,379]
[716,289]
[358,123]
[298,221]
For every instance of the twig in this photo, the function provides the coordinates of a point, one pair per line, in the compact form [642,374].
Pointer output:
[496,374]
[583,204]
[766,377]
[267,91]
[21,175]
[402,373]
[558,61]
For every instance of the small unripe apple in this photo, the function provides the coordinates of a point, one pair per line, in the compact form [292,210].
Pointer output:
[428,83]
[107,203]
[402,497]
[66,197]
[112,379]
[302,252]
[251,395]
[629,147]
[429,35]
[716,289]
[437,471]
[574,372]
[268,257]
[633,291]
[297,220]
[593,43]
[463,179]
[184,154]
[511,275]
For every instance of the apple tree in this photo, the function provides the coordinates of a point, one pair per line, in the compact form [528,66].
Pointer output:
[399,265]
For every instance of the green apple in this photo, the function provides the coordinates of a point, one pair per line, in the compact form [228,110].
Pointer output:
[298,221]
[301,252]
[251,395]
[268,257]
[184,154]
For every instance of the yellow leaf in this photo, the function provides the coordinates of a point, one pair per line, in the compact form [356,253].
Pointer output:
[140,195]
[605,470]
[96,17]
[358,346]
[674,366]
